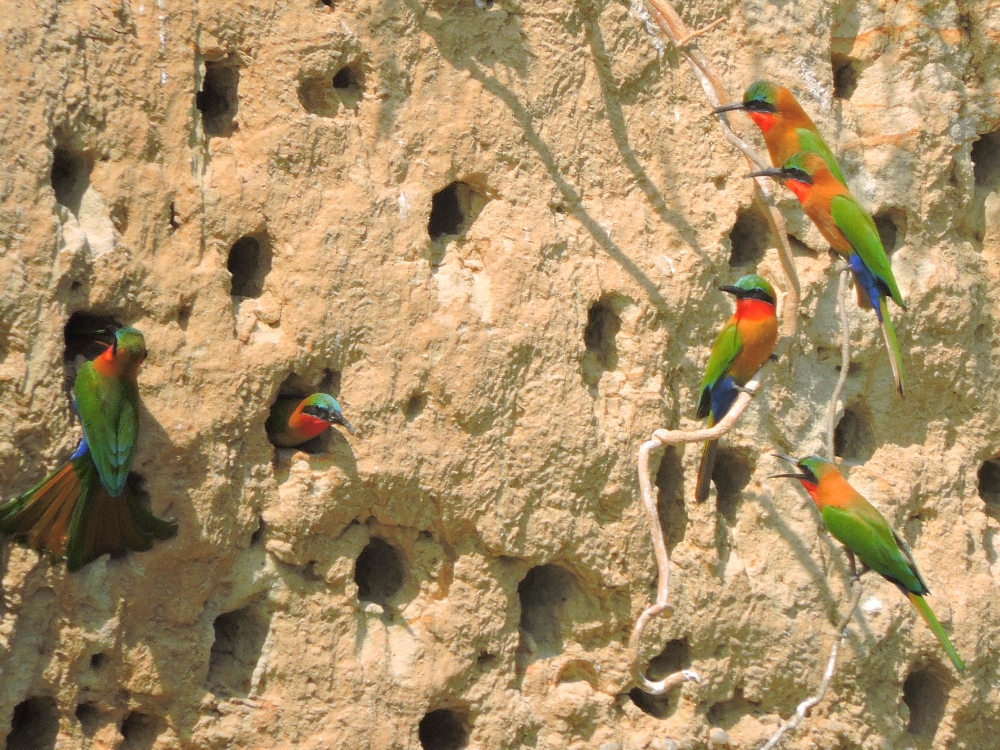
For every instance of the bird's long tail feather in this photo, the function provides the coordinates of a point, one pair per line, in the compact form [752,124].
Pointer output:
[705,470]
[889,334]
[70,514]
[932,622]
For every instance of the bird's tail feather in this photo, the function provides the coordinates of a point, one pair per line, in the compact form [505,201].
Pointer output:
[889,334]
[42,514]
[932,622]
[705,470]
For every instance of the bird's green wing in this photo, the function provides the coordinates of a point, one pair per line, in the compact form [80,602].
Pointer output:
[859,228]
[867,534]
[109,411]
[724,351]
[810,140]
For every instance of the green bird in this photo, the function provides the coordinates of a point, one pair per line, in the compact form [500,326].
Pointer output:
[293,421]
[786,127]
[85,509]
[851,231]
[857,524]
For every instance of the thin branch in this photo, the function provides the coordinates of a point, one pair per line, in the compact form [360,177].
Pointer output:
[673,27]
[845,362]
[805,706]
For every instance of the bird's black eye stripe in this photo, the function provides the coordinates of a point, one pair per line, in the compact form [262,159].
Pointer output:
[759,294]
[810,476]
[799,175]
[760,105]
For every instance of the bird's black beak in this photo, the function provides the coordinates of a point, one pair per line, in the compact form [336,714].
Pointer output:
[737,107]
[793,462]
[341,420]
[775,172]
[733,290]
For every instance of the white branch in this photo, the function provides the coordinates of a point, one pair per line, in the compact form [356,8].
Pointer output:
[845,362]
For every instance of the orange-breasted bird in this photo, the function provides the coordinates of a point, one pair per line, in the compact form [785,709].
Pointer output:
[858,525]
[742,346]
[85,508]
[786,127]
[293,421]
[851,231]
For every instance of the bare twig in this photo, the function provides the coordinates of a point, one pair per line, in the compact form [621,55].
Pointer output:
[673,27]
[845,362]
[805,706]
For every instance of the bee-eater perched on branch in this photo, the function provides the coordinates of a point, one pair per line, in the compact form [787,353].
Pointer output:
[851,231]
[786,127]
[742,346]
[293,421]
[85,508]
[858,525]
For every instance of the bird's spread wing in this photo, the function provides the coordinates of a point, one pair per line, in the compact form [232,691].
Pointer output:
[859,229]
[810,140]
[109,413]
[871,539]
[724,351]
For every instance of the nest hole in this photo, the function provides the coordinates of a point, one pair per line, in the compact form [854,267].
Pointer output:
[891,226]
[542,594]
[670,497]
[87,335]
[986,172]
[443,729]
[239,642]
[141,730]
[925,693]
[454,209]
[325,95]
[726,714]
[674,657]
[98,660]
[731,474]
[846,71]
[600,340]
[750,237]
[89,716]
[379,572]
[415,406]
[35,725]
[218,100]
[249,263]
[70,176]
[989,483]
[854,438]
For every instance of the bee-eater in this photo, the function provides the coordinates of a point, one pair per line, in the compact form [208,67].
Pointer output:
[851,231]
[293,421]
[742,346]
[85,508]
[786,127]
[857,524]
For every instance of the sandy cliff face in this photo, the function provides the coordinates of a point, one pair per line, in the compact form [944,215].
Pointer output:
[252,185]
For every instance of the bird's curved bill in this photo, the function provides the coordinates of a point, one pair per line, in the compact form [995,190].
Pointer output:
[339,419]
[738,106]
[774,172]
[735,290]
[790,460]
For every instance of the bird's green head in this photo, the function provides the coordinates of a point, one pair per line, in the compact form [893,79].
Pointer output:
[752,286]
[761,96]
[131,342]
[326,408]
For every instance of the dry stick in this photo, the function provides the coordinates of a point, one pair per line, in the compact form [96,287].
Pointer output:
[677,32]
[808,703]
[845,362]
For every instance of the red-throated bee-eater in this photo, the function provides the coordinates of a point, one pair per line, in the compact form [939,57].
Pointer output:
[742,346]
[851,231]
[857,524]
[786,127]
[293,421]
[85,508]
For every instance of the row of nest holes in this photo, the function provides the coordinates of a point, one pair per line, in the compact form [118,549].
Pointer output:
[35,726]
[925,693]
[751,235]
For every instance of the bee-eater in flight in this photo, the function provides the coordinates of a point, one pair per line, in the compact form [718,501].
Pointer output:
[851,231]
[293,421]
[858,525]
[742,346]
[85,508]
